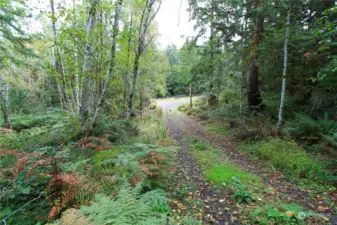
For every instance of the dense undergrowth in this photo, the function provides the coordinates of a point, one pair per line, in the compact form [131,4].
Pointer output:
[288,157]
[120,172]
[306,150]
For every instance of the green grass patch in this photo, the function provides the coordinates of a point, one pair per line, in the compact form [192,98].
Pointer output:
[218,169]
[223,173]
[183,107]
[199,145]
[153,128]
[286,156]
[186,108]
[221,128]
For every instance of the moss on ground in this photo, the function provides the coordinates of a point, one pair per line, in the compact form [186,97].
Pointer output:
[286,156]
[221,128]
[223,173]
[218,169]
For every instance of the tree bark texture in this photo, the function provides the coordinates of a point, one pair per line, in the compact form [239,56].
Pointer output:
[112,62]
[126,73]
[284,75]
[145,22]
[253,91]
[4,103]
[64,98]
[88,66]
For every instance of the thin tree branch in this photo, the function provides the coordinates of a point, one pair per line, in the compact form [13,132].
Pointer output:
[153,15]
[19,209]
[145,46]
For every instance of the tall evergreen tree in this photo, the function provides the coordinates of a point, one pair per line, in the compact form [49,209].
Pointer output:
[12,42]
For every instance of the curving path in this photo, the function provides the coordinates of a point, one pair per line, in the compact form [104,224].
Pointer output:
[214,201]
[181,126]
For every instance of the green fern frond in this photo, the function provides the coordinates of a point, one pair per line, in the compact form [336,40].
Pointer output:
[155,197]
[129,207]
[154,221]
[310,129]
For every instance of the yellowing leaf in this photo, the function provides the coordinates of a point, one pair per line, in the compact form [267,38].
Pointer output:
[233,219]
[324,218]
[198,215]
[290,213]
[322,208]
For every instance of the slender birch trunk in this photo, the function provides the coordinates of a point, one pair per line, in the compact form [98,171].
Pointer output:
[284,76]
[126,80]
[100,50]
[59,88]
[4,103]
[77,93]
[240,81]
[88,66]
[77,83]
[112,62]
[145,22]
[133,85]
[57,57]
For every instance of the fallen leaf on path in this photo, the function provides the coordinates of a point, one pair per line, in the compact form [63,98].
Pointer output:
[290,213]
[324,218]
[233,219]
[322,208]
[198,215]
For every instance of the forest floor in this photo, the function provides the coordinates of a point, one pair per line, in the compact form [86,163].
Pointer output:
[216,202]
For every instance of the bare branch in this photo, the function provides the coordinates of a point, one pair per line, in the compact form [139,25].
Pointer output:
[142,17]
[19,209]
[145,46]
[154,14]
